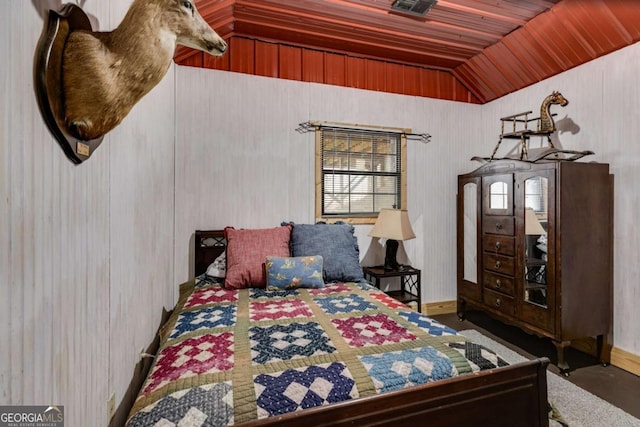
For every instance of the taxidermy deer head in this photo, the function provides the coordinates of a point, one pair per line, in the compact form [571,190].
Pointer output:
[104,74]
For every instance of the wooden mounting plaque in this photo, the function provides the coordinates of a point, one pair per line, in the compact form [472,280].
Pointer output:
[48,79]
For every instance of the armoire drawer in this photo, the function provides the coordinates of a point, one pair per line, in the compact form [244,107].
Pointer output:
[499,244]
[498,283]
[500,302]
[504,225]
[499,263]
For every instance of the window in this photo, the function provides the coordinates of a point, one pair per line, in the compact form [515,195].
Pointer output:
[359,172]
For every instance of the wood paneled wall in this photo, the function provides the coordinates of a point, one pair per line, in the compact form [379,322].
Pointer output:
[84,250]
[308,65]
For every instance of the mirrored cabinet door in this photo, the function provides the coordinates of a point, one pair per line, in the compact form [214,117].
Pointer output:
[536,215]
[469,206]
[535,210]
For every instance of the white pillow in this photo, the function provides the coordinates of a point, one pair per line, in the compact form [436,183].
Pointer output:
[218,268]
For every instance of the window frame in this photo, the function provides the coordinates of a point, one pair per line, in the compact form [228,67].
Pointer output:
[357,218]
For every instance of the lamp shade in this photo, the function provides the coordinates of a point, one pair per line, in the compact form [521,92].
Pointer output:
[532,224]
[392,224]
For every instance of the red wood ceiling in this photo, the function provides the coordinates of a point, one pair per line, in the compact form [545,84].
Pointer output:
[488,48]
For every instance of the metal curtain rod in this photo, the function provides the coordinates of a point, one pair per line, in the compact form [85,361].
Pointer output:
[311,126]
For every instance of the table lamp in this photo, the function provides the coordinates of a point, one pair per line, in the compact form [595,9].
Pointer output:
[532,227]
[393,225]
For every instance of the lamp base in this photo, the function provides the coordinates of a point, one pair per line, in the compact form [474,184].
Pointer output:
[390,262]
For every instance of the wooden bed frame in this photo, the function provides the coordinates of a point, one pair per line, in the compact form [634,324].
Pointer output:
[515,395]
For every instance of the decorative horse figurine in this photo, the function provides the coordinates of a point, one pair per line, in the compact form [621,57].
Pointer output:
[546,125]
[106,73]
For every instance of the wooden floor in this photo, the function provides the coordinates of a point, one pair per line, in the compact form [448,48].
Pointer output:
[616,386]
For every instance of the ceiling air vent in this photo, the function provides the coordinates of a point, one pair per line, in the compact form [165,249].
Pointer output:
[413,7]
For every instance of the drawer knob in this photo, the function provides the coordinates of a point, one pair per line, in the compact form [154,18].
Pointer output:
[498,226]
[498,245]
[498,283]
[498,302]
[498,264]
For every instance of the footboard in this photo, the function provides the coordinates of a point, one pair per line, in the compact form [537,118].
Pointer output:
[510,396]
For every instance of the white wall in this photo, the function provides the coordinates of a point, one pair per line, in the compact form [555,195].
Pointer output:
[83,249]
[240,162]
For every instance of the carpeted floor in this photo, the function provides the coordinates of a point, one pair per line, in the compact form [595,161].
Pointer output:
[575,406]
[612,384]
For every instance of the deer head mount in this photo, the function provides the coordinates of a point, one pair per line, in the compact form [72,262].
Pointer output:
[88,81]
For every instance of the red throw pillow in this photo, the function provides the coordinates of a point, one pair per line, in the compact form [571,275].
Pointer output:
[246,253]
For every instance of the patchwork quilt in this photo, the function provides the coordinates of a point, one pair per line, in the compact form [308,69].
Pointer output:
[230,356]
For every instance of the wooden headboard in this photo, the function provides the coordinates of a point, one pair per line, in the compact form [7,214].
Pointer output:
[208,245]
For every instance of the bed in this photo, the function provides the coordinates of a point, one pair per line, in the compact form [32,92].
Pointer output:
[339,354]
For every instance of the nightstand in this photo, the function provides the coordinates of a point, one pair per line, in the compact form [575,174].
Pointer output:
[409,282]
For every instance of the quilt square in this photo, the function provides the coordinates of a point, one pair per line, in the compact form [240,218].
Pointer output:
[296,389]
[431,326]
[205,318]
[207,405]
[211,295]
[479,357]
[284,342]
[387,300]
[401,369]
[279,309]
[344,304]
[371,330]
[330,288]
[204,280]
[193,356]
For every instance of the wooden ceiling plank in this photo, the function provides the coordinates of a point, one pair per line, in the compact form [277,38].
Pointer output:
[571,31]
[473,83]
[556,48]
[345,39]
[512,8]
[601,28]
[290,62]
[513,43]
[294,20]
[495,78]
[492,47]
[480,12]
[627,15]
[540,54]
[508,65]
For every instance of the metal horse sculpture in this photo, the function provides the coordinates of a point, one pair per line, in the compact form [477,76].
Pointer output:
[546,125]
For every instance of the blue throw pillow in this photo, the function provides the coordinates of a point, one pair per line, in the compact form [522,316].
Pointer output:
[294,272]
[337,245]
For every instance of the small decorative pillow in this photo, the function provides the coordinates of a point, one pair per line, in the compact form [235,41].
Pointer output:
[246,252]
[337,245]
[218,268]
[294,272]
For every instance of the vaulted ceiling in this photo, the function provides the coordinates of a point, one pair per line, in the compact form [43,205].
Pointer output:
[491,47]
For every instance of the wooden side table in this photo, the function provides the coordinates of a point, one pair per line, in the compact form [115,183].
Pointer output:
[409,283]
